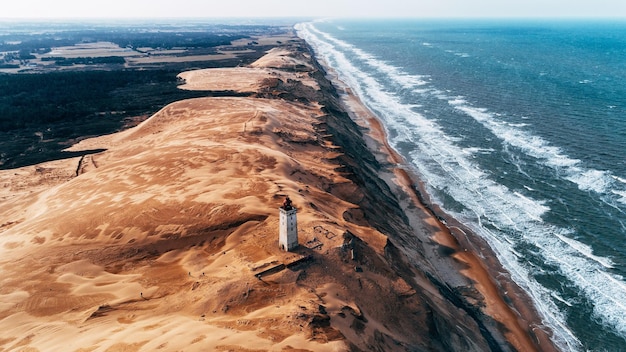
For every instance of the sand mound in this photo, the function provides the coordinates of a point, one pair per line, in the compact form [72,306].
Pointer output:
[283,59]
[278,64]
[168,240]
[164,238]
[239,79]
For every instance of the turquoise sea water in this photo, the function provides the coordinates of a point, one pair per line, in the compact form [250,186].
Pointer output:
[518,130]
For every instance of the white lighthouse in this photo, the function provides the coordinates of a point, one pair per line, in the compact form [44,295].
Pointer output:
[288,231]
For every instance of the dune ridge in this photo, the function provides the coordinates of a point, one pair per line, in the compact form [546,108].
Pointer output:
[168,240]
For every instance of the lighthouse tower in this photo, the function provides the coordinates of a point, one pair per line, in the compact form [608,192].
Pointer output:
[288,231]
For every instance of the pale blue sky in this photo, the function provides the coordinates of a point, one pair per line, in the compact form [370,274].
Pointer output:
[311,8]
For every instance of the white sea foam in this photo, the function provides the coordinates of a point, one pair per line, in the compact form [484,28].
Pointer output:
[441,94]
[421,91]
[406,80]
[571,169]
[477,150]
[591,180]
[618,282]
[586,251]
[620,179]
[457,101]
[456,53]
[536,208]
[560,299]
[622,195]
[489,206]
[518,125]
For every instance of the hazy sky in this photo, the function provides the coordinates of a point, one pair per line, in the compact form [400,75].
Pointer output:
[311,8]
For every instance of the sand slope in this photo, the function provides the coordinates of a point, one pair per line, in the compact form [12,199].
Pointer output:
[155,245]
[169,239]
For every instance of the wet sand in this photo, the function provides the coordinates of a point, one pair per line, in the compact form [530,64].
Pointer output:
[518,317]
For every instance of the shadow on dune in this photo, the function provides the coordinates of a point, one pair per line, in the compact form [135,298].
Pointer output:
[34,159]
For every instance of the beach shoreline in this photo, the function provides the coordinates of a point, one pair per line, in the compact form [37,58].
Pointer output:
[507,302]
[172,231]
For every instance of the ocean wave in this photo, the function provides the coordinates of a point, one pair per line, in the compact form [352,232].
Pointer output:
[404,79]
[504,217]
[586,179]
[457,101]
[478,150]
[620,179]
[586,251]
[591,180]
[518,125]
[457,53]
[571,169]
[622,196]
[560,299]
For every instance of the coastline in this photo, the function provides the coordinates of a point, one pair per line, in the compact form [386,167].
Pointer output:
[506,301]
[194,190]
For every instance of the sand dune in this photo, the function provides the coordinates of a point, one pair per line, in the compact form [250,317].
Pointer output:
[157,243]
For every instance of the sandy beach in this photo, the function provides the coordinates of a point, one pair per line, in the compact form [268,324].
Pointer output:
[168,239]
[503,299]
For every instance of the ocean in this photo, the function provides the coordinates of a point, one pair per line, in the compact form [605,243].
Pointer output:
[518,130]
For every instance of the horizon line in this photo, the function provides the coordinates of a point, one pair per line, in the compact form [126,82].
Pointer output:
[310,18]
